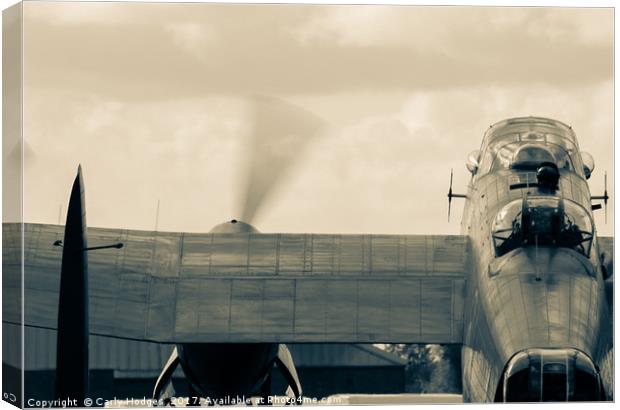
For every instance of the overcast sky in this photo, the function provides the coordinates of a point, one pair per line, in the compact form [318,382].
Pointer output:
[152,100]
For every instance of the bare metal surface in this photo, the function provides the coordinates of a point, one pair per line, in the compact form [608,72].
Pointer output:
[173,287]
[512,311]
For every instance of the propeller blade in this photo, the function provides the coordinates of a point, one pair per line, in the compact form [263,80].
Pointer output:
[280,132]
[164,380]
[286,365]
[72,338]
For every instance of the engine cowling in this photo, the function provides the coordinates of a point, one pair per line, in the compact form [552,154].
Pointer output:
[220,370]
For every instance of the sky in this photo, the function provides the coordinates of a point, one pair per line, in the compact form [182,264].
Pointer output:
[158,102]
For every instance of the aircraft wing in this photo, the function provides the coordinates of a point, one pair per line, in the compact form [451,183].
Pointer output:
[186,287]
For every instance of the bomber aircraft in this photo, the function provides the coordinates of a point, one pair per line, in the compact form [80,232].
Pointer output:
[526,289]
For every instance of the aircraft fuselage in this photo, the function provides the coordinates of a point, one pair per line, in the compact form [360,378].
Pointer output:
[537,323]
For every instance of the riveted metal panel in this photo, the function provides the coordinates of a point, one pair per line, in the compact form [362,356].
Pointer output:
[279,307]
[339,317]
[310,307]
[196,254]
[230,254]
[210,302]
[172,287]
[373,315]
[406,308]
[294,255]
[385,253]
[263,253]
[350,255]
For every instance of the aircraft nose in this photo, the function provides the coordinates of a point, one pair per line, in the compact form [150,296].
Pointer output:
[548,297]
[537,375]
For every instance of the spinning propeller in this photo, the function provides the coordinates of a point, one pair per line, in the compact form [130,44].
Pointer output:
[280,133]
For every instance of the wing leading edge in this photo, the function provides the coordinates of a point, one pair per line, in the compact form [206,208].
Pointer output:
[182,287]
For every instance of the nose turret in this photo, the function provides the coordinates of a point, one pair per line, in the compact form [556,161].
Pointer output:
[537,375]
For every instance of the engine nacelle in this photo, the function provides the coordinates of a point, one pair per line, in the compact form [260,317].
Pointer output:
[227,370]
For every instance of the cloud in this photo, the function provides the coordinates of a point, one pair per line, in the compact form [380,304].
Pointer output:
[409,90]
[257,49]
[450,29]
[192,37]
[384,168]
[359,26]
[184,152]
[389,172]
[76,13]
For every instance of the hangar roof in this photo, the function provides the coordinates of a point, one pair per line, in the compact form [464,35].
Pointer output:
[128,357]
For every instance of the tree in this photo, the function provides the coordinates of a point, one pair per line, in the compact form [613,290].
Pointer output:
[430,368]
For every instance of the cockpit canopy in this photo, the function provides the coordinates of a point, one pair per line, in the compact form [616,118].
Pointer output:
[515,153]
[530,156]
[525,146]
[542,221]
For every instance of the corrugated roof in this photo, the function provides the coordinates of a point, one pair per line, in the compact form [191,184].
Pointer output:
[105,352]
[135,357]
